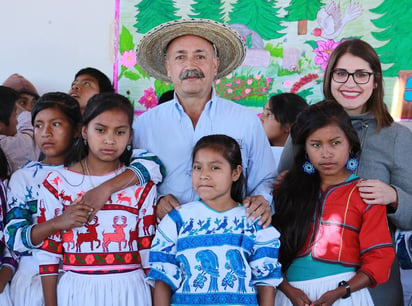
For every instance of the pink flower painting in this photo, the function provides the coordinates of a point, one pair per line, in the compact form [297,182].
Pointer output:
[149,99]
[128,59]
[323,52]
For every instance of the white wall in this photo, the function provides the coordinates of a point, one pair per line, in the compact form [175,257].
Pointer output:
[48,41]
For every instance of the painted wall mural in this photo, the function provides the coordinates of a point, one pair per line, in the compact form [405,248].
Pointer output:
[288,45]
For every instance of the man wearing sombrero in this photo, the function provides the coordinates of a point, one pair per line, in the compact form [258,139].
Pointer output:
[192,53]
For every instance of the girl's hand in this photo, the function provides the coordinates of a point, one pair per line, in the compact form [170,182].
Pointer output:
[165,205]
[95,199]
[329,297]
[299,298]
[377,192]
[258,206]
[74,215]
[295,295]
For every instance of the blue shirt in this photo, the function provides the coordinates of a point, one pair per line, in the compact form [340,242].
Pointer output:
[168,132]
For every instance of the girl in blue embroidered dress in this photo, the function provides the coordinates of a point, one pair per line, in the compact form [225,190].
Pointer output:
[208,251]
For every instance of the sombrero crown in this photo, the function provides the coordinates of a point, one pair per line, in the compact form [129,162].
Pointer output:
[151,50]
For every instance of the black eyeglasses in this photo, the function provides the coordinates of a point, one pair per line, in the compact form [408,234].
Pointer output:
[359,76]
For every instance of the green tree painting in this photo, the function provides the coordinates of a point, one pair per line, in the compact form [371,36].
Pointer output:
[208,9]
[260,16]
[165,11]
[396,24]
[302,11]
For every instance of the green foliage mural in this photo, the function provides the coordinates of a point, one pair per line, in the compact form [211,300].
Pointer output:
[394,26]
[288,43]
[260,16]
[212,9]
[160,11]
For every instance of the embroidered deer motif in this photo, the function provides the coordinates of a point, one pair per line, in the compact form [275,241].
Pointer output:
[148,220]
[118,235]
[133,236]
[65,198]
[42,217]
[122,198]
[89,236]
[67,237]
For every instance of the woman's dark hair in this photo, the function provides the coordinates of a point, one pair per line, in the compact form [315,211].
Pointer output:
[286,106]
[297,198]
[104,82]
[230,150]
[4,166]
[68,106]
[362,49]
[8,98]
[99,104]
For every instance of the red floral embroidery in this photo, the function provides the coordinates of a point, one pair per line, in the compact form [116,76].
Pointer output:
[72,259]
[110,259]
[89,259]
[128,258]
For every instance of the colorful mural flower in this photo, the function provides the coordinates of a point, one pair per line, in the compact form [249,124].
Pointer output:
[323,52]
[149,99]
[128,59]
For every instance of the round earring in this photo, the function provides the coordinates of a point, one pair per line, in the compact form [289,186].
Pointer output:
[352,164]
[308,168]
[128,147]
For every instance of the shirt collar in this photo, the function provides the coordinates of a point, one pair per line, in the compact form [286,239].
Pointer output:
[209,110]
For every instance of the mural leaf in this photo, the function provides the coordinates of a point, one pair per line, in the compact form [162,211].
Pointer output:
[125,40]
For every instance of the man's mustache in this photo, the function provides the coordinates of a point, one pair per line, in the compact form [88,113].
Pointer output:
[191,74]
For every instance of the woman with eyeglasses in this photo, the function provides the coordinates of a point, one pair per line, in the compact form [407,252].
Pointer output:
[353,78]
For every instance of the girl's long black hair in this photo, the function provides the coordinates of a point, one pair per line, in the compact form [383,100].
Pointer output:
[297,198]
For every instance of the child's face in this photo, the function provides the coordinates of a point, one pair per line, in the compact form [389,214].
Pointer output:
[107,135]
[328,150]
[83,88]
[26,102]
[276,133]
[212,177]
[54,134]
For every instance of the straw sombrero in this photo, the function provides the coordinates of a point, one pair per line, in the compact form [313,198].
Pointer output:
[152,47]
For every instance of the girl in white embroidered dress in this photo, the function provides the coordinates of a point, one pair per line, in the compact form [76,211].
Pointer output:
[104,259]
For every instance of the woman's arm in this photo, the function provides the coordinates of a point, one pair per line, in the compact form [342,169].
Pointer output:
[162,294]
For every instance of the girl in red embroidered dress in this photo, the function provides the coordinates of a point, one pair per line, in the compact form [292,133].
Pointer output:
[333,244]
[103,260]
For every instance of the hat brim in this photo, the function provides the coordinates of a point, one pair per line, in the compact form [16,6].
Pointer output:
[152,47]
